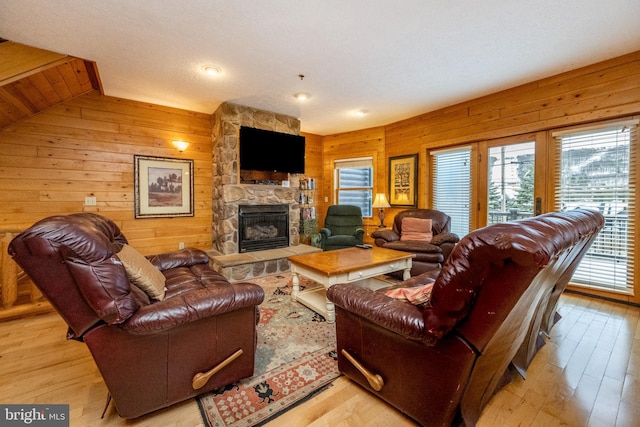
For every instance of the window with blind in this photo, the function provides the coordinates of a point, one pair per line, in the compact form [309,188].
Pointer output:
[595,168]
[451,181]
[354,183]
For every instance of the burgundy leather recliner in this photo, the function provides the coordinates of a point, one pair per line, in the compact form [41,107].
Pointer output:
[441,364]
[151,354]
[429,255]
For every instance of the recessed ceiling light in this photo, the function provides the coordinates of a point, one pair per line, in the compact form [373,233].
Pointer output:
[360,113]
[211,70]
[301,96]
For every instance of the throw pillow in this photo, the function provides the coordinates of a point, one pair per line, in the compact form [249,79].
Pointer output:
[417,295]
[142,273]
[416,229]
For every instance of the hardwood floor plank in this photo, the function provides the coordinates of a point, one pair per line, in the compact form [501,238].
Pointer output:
[629,410]
[633,368]
[543,419]
[579,360]
[597,363]
[605,408]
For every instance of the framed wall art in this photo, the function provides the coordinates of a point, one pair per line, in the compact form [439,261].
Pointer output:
[163,187]
[403,180]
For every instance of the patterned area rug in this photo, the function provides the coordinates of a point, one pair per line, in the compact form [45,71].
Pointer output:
[295,358]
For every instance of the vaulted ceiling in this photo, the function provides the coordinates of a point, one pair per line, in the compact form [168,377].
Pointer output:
[32,80]
[393,60]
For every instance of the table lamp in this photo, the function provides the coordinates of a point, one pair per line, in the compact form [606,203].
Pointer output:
[381,202]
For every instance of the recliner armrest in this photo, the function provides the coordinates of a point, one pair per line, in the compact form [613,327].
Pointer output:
[359,233]
[397,316]
[388,235]
[445,237]
[325,232]
[181,258]
[193,305]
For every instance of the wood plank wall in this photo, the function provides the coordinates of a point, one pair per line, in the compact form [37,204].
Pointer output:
[601,91]
[85,147]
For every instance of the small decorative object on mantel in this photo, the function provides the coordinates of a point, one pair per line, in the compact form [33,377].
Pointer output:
[294,181]
[163,187]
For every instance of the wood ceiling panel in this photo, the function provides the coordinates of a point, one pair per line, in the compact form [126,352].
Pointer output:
[40,83]
[56,81]
[28,95]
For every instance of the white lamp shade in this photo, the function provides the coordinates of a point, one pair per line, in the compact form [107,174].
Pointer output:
[381,201]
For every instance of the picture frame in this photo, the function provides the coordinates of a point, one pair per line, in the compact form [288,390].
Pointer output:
[403,180]
[163,187]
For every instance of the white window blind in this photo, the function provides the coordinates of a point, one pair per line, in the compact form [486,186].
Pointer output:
[451,181]
[354,183]
[595,168]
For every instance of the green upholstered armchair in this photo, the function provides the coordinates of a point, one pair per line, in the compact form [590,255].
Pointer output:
[342,227]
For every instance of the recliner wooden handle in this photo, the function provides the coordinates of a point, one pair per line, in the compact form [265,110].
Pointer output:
[201,378]
[375,381]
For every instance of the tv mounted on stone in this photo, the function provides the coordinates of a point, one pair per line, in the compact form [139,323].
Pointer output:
[269,151]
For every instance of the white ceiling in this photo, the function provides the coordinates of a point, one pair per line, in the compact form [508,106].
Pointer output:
[395,59]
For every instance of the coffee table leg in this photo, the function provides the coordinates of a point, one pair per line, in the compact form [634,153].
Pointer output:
[296,285]
[406,274]
[331,311]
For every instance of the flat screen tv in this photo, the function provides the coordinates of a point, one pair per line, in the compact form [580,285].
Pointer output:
[264,150]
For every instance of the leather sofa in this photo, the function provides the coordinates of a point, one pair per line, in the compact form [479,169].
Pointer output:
[429,255]
[155,351]
[441,362]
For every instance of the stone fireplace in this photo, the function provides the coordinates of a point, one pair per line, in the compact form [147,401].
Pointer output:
[232,197]
[229,193]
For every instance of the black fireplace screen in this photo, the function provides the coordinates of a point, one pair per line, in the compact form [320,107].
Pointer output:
[262,227]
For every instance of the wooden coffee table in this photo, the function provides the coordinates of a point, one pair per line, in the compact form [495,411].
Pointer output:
[352,265]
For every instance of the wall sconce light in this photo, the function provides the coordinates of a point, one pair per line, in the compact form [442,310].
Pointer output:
[381,202]
[180,145]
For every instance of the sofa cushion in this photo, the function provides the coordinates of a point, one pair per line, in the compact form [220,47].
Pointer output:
[142,273]
[416,229]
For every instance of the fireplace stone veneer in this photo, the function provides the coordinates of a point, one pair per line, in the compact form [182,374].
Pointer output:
[228,191]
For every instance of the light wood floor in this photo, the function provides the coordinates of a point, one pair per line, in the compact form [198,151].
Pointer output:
[588,374]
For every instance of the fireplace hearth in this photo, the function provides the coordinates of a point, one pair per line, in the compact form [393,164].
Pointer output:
[262,227]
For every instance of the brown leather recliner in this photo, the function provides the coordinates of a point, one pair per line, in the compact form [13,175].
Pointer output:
[429,255]
[441,363]
[151,354]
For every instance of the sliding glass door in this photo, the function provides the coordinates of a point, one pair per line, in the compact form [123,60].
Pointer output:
[511,178]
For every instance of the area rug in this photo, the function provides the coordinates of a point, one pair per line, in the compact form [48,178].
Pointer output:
[295,359]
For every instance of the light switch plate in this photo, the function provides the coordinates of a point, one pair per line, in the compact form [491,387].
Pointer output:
[90,201]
